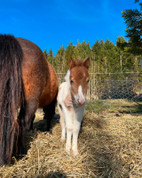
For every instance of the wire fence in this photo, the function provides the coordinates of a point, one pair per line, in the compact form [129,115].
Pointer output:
[102,86]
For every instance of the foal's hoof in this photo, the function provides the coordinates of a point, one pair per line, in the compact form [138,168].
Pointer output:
[75,153]
[62,139]
[68,150]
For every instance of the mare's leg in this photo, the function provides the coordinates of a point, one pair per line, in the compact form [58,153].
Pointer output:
[49,112]
[62,122]
[25,119]
[31,127]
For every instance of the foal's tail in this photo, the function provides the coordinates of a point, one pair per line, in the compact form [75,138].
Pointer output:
[10,93]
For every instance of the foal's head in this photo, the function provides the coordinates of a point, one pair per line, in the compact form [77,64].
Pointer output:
[79,78]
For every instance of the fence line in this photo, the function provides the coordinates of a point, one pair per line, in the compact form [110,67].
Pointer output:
[108,73]
[113,85]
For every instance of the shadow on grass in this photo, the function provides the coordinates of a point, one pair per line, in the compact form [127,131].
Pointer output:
[37,126]
[52,174]
[103,150]
[41,125]
[134,109]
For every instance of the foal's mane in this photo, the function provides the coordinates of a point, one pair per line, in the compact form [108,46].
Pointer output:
[67,76]
[78,63]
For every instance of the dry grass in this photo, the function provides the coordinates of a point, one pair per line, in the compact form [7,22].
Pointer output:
[110,145]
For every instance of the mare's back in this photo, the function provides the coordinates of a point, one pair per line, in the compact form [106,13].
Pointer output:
[32,53]
[34,68]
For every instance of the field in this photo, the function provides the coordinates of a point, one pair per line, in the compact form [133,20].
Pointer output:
[110,145]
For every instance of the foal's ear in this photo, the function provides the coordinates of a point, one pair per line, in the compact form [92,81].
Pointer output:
[86,63]
[71,63]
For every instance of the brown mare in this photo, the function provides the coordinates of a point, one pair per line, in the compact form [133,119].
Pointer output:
[26,79]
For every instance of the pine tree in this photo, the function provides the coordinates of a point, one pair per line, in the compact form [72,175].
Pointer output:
[133,20]
[121,44]
[83,50]
[45,53]
[69,51]
[60,60]
[51,57]
[96,52]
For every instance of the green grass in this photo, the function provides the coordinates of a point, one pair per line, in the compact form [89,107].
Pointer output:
[99,106]
[121,106]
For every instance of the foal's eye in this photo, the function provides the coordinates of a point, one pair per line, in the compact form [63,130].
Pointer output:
[71,82]
[87,81]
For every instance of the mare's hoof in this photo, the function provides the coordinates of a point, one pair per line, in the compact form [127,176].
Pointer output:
[1,162]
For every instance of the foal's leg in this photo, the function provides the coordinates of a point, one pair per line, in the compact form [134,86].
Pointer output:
[69,126]
[62,122]
[76,129]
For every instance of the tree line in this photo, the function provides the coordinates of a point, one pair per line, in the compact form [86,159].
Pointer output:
[105,56]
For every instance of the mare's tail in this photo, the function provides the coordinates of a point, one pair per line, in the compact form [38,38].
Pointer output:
[10,93]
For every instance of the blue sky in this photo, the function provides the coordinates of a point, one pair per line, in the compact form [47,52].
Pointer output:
[53,23]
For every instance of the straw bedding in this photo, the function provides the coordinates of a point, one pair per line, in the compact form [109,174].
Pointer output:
[110,145]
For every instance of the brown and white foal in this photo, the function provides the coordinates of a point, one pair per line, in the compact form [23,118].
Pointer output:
[71,101]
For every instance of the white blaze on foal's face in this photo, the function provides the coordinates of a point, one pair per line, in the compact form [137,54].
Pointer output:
[81,95]
[79,79]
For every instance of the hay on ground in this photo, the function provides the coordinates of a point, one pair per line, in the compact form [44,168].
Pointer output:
[110,145]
